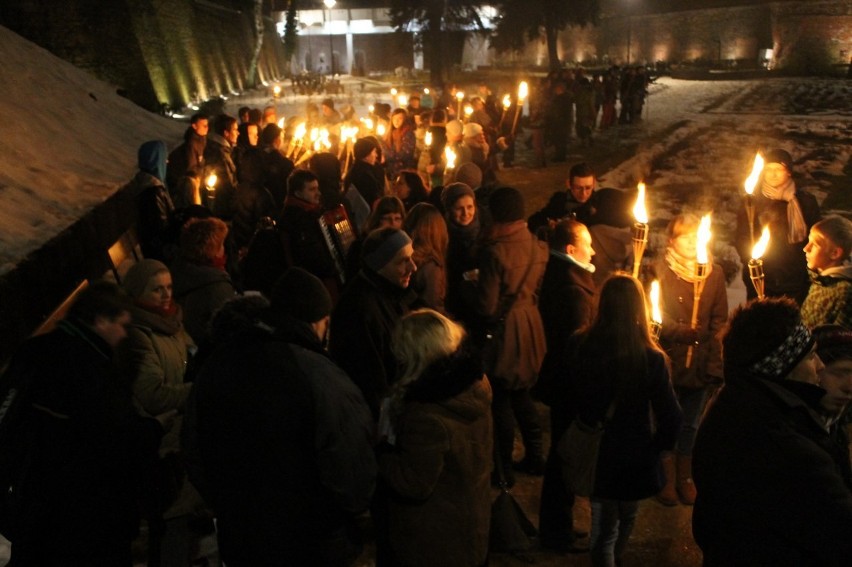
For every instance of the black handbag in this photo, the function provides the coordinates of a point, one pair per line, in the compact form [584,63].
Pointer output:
[510,530]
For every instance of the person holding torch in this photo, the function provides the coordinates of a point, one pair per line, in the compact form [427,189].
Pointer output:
[790,213]
[695,381]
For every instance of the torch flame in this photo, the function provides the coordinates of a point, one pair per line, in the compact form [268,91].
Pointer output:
[380,129]
[301,130]
[281,123]
[451,157]
[277,90]
[761,245]
[315,133]
[393,91]
[402,100]
[459,95]
[656,314]
[371,108]
[427,139]
[507,101]
[211,180]
[426,90]
[751,181]
[468,110]
[523,91]
[704,235]
[639,210]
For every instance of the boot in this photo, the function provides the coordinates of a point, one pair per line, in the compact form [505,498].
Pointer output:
[668,495]
[685,485]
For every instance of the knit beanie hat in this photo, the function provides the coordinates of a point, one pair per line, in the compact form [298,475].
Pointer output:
[833,343]
[137,276]
[780,156]
[363,147]
[455,191]
[454,128]
[300,295]
[382,245]
[506,205]
[472,130]
[470,174]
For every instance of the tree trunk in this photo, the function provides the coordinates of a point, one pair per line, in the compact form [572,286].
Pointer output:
[552,34]
[434,37]
[257,20]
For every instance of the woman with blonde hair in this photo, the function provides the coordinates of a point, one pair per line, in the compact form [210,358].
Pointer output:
[615,372]
[428,231]
[693,382]
[436,462]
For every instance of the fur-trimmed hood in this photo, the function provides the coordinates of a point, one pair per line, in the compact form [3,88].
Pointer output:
[445,380]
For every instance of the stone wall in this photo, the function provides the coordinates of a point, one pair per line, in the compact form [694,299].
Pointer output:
[155,51]
[806,36]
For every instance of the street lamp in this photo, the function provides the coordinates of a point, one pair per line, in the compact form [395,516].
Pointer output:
[330,4]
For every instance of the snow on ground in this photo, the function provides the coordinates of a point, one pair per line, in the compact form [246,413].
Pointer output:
[70,141]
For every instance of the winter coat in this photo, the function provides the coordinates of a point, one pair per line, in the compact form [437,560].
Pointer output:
[305,244]
[88,447]
[676,336]
[155,356]
[629,459]
[252,203]
[439,469]
[219,160]
[768,493]
[829,299]
[277,169]
[461,258]
[503,263]
[429,282]
[361,329]
[784,264]
[200,291]
[155,210]
[185,168]
[370,186]
[286,444]
[567,304]
[399,151]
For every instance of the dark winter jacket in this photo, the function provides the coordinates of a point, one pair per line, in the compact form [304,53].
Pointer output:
[629,459]
[361,329]
[784,262]
[285,440]
[829,300]
[768,492]
[200,291]
[503,271]
[277,168]
[439,469]
[155,209]
[369,185]
[219,160]
[185,168]
[567,304]
[676,303]
[89,447]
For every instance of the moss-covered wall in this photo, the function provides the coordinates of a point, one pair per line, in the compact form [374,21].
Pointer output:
[156,51]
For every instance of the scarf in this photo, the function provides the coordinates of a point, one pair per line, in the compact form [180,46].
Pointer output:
[797,230]
[684,268]
[588,266]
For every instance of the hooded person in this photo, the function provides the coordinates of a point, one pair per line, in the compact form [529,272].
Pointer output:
[768,491]
[834,347]
[790,213]
[829,299]
[299,449]
[511,264]
[368,311]
[154,205]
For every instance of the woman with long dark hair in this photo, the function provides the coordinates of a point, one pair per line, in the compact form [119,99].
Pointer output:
[617,368]
[428,231]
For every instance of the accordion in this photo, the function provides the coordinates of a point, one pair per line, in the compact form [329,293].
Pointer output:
[339,236]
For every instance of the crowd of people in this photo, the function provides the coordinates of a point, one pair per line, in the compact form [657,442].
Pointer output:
[307,341]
